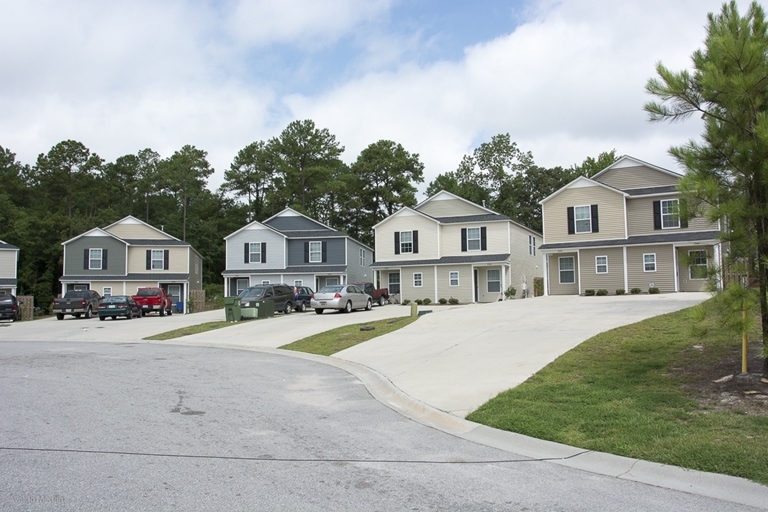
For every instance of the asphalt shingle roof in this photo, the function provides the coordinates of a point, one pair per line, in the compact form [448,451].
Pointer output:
[446,260]
[681,236]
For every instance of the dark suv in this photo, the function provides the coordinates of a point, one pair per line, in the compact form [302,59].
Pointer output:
[303,297]
[281,294]
[10,308]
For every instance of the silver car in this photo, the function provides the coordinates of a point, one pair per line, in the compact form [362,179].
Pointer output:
[344,297]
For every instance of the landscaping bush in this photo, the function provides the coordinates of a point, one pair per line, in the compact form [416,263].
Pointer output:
[453,301]
[589,293]
[601,292]
[620,291]
[510,292]
[653,290]
[406,302]
[538,286]
[635,291]
[427,301]
[419,302]
[443,300]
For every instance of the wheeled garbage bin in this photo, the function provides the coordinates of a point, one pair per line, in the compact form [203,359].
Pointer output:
[232,309]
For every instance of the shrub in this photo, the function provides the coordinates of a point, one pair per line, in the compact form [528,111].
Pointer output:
[453,301]
[654,290]
[443,300]
[427,301]
[620,291]
[510,292]
[589,293]
[601,292]
[538,286]
[406,302]
[635,291]
[419,302]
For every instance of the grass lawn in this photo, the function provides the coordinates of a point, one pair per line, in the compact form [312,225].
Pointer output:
[646,391]
[333,341]
[192,329]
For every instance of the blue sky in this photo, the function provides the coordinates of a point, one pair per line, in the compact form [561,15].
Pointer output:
[564,78]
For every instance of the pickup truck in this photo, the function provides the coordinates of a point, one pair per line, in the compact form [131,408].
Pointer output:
[76,303]
[379,296]
[153,299]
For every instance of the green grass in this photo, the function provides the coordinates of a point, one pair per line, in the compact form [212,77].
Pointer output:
[623,392]
[335,340]
[192,329]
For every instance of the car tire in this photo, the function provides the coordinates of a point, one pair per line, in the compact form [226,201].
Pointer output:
[170,311]
[288,308]
[382,300]
[78,315]
[302,307]
[161,312]
[114,318]
[143,313]
[348,307]
[319,311]
[369,305]
[102,318]
[59,316]
[88,313]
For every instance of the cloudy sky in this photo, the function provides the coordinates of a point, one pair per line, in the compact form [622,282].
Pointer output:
[565,78]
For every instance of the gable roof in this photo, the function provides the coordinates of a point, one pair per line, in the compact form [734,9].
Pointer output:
[130,219]
[7,246]
[94,232]
[405,209]
[440,196]
[290,212]
[628,161]
[580,182]
[253,223]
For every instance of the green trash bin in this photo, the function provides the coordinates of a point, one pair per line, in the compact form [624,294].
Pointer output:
[232,309]
[251,311]
[267,309]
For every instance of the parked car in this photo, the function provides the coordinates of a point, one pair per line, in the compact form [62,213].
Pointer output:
[76,303]
[119,305]
[343,297]
[281,294]
[10,308]
[152,299]
[379,296]
[303,298]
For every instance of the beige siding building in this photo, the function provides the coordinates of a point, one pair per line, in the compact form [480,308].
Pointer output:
[621,230]
[9,262]
[447,247]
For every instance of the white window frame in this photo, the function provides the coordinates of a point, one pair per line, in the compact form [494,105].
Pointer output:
[474,237]
[646,262]
[672,215]
[418,279]
[406,246]
[598,264]
[453,275]
[560,269]
[254,252]
[315,252]
[95,259]
[578,216]
[531,245]
[362,257]
[298,282]
[106,291]
[691,265]
[497,280]
[238,282]
[331,281]
[391,282]
[265,281]
[160,261]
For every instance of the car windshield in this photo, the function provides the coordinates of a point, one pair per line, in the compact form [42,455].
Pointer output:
[331,289]
[256,291]
[115,298]
[148,293]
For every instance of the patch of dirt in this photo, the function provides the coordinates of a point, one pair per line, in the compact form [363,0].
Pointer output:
[709,384]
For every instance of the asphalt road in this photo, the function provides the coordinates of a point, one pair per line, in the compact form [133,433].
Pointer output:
[137,426]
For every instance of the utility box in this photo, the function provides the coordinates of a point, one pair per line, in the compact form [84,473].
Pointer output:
[232,309]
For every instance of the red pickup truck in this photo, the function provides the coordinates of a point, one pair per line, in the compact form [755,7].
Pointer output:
[153,299]
[379,296]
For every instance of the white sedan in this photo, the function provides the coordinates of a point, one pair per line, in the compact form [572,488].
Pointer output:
[343,297]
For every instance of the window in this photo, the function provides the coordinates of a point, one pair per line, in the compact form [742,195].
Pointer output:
[406,241]
[697,269]
[669,214]
[417,279]
[315,252]
[362,257]
[601,264]
[649,262]
[494,281]
[107,291]
[531,245]
[453,279]
[197,265]
[254,252]
[394,282]
[297,283]
[567,267]
[158,259]
[265,281]
[240,285]
[94,259]
[331,281]
[583,219]
[473,239]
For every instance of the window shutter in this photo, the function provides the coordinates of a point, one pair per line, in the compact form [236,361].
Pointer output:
[85,259]
[166,259]
[397,242]
[263,252]
[483,239]
[571,223]
[149,259]
[595,228]
[324,258]
[683,222]
[246,253]
[306,252]
[657,215]
[463,239]
[103,259]
[415,242]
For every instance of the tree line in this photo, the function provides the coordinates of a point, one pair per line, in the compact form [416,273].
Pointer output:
[70,190]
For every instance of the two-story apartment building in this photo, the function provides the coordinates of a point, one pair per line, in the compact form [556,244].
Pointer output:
[9,264]
[620,229]
[291,248]
[131,254]
[448,247]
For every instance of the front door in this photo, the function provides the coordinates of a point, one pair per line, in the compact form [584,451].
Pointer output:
[477,297]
